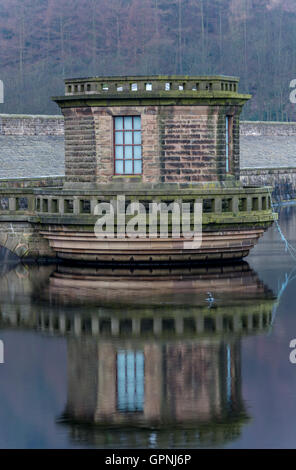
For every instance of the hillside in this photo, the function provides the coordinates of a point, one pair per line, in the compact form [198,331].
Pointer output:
[43,41]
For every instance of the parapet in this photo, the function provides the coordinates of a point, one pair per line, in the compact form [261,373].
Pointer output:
[165,88]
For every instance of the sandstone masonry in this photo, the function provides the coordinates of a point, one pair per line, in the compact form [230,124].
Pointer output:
[183,128]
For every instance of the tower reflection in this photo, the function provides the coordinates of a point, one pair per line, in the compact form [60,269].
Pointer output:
[154,357]
[152,354]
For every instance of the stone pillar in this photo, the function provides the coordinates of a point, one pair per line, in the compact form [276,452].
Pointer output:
[179,325]
[95,327]
[77,325]
[114,326]
[157,326]
[106,403]
[200,324]
[153,382]
[80,146]
[136,326]
[62,323]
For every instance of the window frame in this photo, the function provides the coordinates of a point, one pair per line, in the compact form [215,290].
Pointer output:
[134,402]
[228,143]
[123,145]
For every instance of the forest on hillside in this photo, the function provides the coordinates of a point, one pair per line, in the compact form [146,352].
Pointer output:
[44,41]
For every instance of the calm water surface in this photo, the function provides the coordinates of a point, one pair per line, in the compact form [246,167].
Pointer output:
[162,358]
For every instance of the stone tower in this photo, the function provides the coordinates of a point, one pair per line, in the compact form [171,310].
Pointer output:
[151,130]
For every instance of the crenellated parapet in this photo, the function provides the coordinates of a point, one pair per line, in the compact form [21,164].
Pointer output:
[153,86]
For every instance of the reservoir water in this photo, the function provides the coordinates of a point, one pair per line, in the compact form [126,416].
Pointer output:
[148,358]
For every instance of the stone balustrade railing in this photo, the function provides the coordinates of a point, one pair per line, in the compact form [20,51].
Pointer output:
[17,201]
[245,320]
[219,205]
[200,324]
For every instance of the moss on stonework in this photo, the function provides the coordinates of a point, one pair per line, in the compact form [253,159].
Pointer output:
[213,221]
[220,143]
[128,78]
[159,99]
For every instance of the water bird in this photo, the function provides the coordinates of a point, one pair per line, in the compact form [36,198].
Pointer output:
[211,300]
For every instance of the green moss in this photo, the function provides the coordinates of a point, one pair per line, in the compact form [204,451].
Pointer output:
[161,98]
[129,78]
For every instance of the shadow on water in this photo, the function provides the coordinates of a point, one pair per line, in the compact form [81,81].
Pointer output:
[7,260]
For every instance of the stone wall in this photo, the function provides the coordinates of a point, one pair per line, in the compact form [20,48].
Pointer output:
[168,146]
[193,143]
[188,144]
[38,182]
[89,143]
[80,145]
[24,240]
[260,128]
[180,144]
[282,180]
[18,124]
